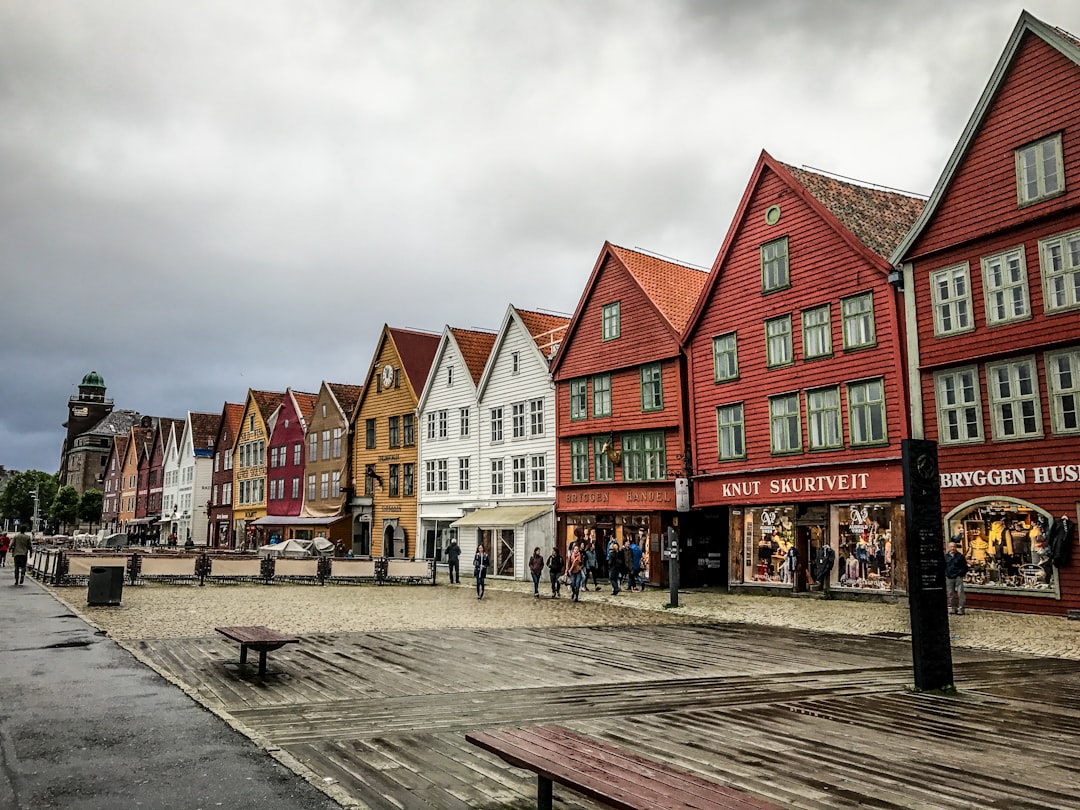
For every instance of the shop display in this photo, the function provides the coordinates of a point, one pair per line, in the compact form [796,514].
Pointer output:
[1005,545]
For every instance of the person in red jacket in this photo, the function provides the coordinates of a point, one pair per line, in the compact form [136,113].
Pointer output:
[5,544]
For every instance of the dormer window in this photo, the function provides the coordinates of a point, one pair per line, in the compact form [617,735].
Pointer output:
[1038,170]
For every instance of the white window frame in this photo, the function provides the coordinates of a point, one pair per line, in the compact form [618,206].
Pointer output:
[730,431]
[429,476]
[496,425]
[1059,265]
[1003,404]
[463,473]
[496,476]
[725,357]
[432,428]
[1031,159]
[538,474]
[463,421]
[517,420]
[1005,287]
[536,417]
[610,321]
[520,475]
[866,405]
[824,420]
[959,406]
[817,335]
[952,308]
[859,327]
[1063,390]
[442,469]
[779,350]
[775,267]
[444,423]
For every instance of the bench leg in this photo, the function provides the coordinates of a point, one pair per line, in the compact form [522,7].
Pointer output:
[262,663]
[243,654]
[543,793]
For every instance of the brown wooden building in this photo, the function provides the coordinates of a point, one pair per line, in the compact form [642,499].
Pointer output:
[221,482]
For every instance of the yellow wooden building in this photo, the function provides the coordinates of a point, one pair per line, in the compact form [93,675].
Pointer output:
[249,466]
[385,478]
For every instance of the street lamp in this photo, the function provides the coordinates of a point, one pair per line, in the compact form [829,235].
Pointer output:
[36,495]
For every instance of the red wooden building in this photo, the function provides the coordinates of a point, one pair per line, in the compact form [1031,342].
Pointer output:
[798,383]
[621,408]
[285,456]
[992,274]
[221,483]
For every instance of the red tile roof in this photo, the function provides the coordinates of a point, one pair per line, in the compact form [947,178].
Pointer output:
[346,395]
[547,330]
[305,404]
[266,401]
[879,219]
[674,288]
[232,415]
[475,349]
[417,351]
[204,429]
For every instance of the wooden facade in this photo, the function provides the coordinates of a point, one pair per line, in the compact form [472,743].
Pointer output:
[620,403]
[249,466]
[221,480]
[798,381]
[113,483]
[384,523]
[992,272]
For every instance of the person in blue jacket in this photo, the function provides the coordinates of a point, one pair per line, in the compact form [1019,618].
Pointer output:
[635,571]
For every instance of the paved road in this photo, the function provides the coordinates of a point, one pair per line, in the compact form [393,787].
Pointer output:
[84,726]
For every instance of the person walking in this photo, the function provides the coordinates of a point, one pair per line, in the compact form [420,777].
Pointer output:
[480,568]
[576,568]
[626,565]
[635,571]
[555,564]
[453,561]
[613,557]
[21,546]
[823,566]
[5,544]
[956,566]
[536,568]
[591,565]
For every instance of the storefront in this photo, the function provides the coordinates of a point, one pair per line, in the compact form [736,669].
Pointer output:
[509,534]
[277,529]
[779,522]
[436,532]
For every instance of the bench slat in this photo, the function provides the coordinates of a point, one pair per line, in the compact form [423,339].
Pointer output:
[255,634]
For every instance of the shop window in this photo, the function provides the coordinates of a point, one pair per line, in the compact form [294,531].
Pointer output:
[768,535]
[817,333]
[1005,287]
[1059,260]
[725,357]
[778,349]
[1004,542]
[579,460]
[1038,171]
[785,432]
[866,412]
[959,411]
[824,431]
[857,313]
[1063,382]
[864,555]
[1014,399]
[730,432]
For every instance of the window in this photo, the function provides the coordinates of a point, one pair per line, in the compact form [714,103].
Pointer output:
[393,431]
[515,363]
[226,493]
[311,487]
[725,357]
[858,317]
[496,424]
[251,422]
[217,461]
[539,474]
[866,412]
[652,388]
[496,476]
[369,434]
[1014,399]
[444,423]
[1005,286]
[950,292]
[394,480]
[408,431]
[463,422]
[450,377]
[579,460]
[335,484]
[326,444]
[778,351]
[429,476]
[536,417]
[1059,259]
[579,399]
[610,318]
[324,485]
[1038,170]
[313,446]
[444,475]
[774,265]
[603,467]
[784,429]
[517,420]
[816,332]
[518,464]
[214,497]
[297,449]
[296,487]
[730,432]
[959,413]
[369,480]
[431,426]
[273,463]
[824,431]
[463,474]
[644,457]
[407,478]
[1063,381]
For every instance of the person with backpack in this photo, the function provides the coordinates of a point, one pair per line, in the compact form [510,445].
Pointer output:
[613,564]
[555,564]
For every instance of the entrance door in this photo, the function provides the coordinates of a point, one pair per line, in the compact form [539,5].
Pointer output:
[361,541]
[504,558]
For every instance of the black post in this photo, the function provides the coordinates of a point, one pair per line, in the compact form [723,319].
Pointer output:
[931,652]
[673,565]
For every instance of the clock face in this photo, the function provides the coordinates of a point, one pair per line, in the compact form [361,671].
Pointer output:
[387,376]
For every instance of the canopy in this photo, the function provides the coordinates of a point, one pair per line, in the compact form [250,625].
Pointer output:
[501,516]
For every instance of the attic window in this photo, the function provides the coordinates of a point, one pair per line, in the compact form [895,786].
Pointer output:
[610,321]
[449,376]
[515,363]
[1038,170]
[772,215]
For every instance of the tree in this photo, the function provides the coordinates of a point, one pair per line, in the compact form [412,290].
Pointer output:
[17,501]
[90,505]
[65,506]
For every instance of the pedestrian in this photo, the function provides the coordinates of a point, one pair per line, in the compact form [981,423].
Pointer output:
[635,572]
[453,557]
[536,568]
[956,566]
[480,568]
[591,565]
[339,548]
[189,544]
[613,556]
[823,565]
[575,568]
[626,565]
[555,564]
[21,546]
[5,544]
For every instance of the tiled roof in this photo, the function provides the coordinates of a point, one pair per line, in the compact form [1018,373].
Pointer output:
[233,414]
[475,348]
[204,429]
[346,395]
[547,330]
[266,401]
[305,404]
[674,288]
[120,444]
[417,351]
[166,424]
[879,219]
[116,423]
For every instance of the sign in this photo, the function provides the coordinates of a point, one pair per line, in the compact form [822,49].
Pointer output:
[1012,476]
[682,494]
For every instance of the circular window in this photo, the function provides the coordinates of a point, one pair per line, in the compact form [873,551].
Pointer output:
[772,215]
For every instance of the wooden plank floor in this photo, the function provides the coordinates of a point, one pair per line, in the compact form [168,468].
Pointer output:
[809,720]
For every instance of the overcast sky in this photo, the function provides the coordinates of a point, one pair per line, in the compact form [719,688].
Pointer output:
[201,197]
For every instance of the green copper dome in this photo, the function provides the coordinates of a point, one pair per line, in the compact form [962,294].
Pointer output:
[93,380]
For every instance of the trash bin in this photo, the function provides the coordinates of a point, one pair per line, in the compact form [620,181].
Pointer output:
[106,585]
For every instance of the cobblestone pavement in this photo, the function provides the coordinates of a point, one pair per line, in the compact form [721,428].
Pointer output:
[176,611]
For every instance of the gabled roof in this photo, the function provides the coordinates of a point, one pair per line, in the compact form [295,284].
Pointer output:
[204,429]
[547,330]
[265,401]
[232,415]
[1062,41]
[305,404]
[878,218]
[346,396]
[475,348]
[416,350]
[117,423]
[119,448]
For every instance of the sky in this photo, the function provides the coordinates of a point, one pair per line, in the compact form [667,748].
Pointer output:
[200,198]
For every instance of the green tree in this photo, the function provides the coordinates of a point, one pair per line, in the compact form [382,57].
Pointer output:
[90,505]
[17,498]
[65,506]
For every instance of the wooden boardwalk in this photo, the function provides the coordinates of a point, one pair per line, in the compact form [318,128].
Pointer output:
[809,720]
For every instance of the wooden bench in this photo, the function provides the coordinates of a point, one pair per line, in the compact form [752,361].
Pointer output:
[613,776]
[258,638]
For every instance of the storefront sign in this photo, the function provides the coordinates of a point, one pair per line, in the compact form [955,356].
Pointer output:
[1011,476]
[586,497]
[825,484]
[649,496]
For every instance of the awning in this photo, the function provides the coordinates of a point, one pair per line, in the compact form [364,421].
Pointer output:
[141,521]
[282,520]
[501,516]
[441,514]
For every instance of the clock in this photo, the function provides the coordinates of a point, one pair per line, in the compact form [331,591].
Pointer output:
[387,375]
